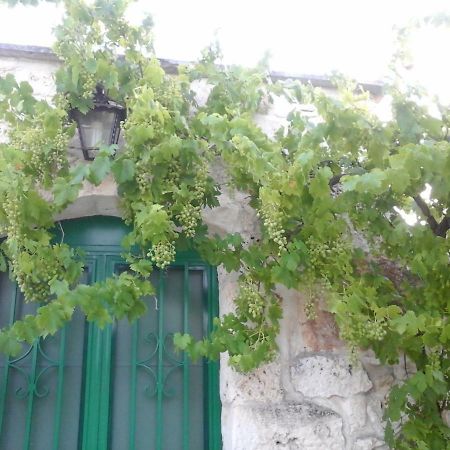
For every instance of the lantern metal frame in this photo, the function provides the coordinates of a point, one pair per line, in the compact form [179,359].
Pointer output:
[101,103]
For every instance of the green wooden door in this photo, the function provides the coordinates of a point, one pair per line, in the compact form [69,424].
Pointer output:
[123,386]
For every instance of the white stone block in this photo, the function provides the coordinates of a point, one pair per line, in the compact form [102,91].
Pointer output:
[261,385]
[284,427]
[326,376]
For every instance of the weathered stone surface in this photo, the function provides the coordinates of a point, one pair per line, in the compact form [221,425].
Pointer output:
[326,376]
[284,426]
[446,417]
[228,288]
[321,333]
[233,215]
[94,200]
[354,412]
[262,385]
[404,369]
[369,444]
[306,336]
[39,73]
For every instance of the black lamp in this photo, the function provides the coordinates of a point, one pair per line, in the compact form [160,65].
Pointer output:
[100,125]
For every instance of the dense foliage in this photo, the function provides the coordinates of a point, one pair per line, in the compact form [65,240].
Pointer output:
[329,189]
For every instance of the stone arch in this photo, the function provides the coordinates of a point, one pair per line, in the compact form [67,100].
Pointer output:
[93,200]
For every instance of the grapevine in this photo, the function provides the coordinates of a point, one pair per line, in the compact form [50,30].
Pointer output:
[329,193]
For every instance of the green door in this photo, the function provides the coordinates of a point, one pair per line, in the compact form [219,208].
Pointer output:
[123,386]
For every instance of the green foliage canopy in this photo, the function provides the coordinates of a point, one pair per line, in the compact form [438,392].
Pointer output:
[329,191]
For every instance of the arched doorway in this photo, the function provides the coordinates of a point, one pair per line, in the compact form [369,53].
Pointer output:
[123,386]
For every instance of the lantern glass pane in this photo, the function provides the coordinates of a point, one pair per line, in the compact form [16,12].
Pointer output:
[96,128]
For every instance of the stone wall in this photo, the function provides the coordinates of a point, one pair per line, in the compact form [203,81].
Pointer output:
[310,397]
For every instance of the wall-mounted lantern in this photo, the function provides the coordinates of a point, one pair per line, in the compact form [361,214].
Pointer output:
[100,125]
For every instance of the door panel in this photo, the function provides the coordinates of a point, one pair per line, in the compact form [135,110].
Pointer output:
[40,390]
[152,382]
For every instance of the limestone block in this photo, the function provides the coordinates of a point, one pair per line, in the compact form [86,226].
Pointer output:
[375,413]
[262,384]
[353,411]
[94,200]
[381,376]
[233,215]
[39,73]
[446,417]
[327,376]
[304,335]
[321,333]
[228,288]
[369,444]
[202,90]
[284,426]
[270,123]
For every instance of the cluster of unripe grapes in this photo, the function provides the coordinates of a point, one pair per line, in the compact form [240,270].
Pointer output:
[200,183]
[35,284]
[272,220]
[13,214]
[174,172]
[316,290]
[142,177]
[250,300]
[62,102]
[46,154]
[374,330]
[89,84]
[189,218]
[190,215]
[321,254]
[40,269]
[434,359]
[162,254]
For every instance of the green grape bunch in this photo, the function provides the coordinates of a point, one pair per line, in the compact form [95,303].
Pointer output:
[273,222]
[88,86]
[174,173]
[189,218]
[34,272]
[47,155]
[375,330]
[162,254]
[250,301]
[200,183]
[330,257]
[142,177]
